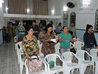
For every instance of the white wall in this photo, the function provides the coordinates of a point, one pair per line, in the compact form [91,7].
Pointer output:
[1,24]
[82,19]
[83,16]
[57,5]
[1,18]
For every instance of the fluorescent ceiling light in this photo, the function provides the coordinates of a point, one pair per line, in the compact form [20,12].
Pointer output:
[7,8]
[28,10]
[53,11]
[86,3]
[1,1]
[65,8]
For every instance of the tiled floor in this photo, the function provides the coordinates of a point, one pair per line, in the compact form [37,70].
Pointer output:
[8,60]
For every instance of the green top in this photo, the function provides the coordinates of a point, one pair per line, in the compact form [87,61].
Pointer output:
[64,37]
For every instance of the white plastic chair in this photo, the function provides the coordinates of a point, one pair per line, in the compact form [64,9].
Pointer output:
[15,39]
[84,63]
[67,58]
[57,68]
[78,44]
[18,47]
[19,54]
[40,47]
[93,53]
[42,72]
[57,47]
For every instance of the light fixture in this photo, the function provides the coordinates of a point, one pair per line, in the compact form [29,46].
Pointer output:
[7,9]
[28,10]
[1,1]
[86,3]
[65,8]
[53,11]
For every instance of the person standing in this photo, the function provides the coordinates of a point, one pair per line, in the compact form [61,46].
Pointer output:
[4,31]
[7,35]
[89,39]
[59,29]
[25,26]
[40,25]
[64,39]
[72,30]
[51,22]
[36,28]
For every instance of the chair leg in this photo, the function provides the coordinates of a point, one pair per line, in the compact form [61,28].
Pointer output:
[18,59]
[82,70]
[21,68]
[90,67]
[67,71]
[96,68]
[72,71]
[27,72]
[93,69]
[77,70]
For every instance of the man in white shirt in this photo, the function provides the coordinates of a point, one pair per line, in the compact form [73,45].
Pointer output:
[72,28]
[59,28]
[51,22]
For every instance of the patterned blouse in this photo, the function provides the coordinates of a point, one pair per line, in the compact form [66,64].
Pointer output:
[47,48]
[30,46]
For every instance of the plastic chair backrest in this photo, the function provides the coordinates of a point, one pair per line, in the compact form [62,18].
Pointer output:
[51,57]
[93,53]
[57,47]
[67,56]
[80,54]
[15,39]
[19,45]
[78,45]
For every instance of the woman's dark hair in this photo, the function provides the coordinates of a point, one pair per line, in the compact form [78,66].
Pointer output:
[60,23]
[88,27]
[30,27]
[64,27]
[49,25]
[51,22]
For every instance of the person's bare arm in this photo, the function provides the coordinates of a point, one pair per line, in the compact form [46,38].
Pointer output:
[73,40]
[27,55]
[59,38]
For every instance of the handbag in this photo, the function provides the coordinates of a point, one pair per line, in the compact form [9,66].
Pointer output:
[35,64]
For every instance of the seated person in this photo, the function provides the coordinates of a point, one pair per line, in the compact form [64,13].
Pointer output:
[29,44]
[48,48]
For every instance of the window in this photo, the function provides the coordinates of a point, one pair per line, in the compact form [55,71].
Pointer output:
[86,3]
